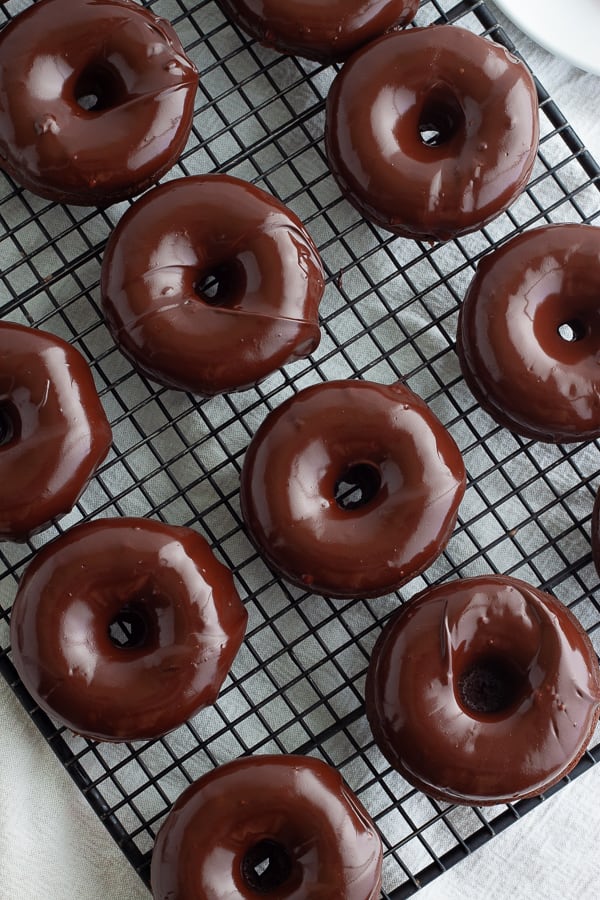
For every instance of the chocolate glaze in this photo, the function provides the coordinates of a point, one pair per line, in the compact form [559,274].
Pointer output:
[384,440]
[432,132]
[520,369]
[185,616]
[55,58]
[482,630]
[316,30]
[294,810]
[53,430]
[269,281]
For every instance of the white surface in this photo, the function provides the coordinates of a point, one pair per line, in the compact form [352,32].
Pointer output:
[552,853]
[52,845]
[577,93]
[569,29]
[51,842]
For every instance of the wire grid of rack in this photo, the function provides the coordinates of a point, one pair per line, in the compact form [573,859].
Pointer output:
[389,313]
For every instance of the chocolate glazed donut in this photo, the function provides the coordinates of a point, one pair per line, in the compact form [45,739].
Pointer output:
[96,99]
[286,827]
[528,335]
[53,430]
[432,132]
[483,691]
[322,31]
[209,284]
[350,488]
[122,629]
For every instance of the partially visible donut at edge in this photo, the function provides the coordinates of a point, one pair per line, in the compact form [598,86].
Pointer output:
[53,429]
[209,285]
[528,335]
[324,31]
[284,826]
[96,99]
[432,132]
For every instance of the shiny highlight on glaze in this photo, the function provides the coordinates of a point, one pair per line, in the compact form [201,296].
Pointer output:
[267,282]
[314,441]
[297,804]
[419,717]
[166,579]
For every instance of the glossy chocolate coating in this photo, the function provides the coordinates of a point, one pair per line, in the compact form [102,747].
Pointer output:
[299,804]
[478,99]
[269,284]
[58,52]
[325,31]
[453,752]
[53,430]
[519,368]
[188,616]
[314,440]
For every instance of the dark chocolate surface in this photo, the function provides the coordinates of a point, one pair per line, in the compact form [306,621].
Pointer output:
[53,430]
[414,483]
[528,336]
[325,31]
[432,132]
[268,282]
[96,99]
[296,804]
[188,624]
[538,675]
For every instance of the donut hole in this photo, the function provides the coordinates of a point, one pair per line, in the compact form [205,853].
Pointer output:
[491,685]
[8,423]
[266,866]
[441,118]
[358,486]
[222,285]
[573,330]
[130,628]
[99,88]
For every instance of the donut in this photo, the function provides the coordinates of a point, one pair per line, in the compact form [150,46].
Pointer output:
[350,488]
[96,100]
[528,335]
[325,32]
[432,132]
[282,826]
[209,284]
[483,691]
[53,430]
[123,629]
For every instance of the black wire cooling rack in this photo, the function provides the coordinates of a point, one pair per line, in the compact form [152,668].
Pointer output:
[389,313]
